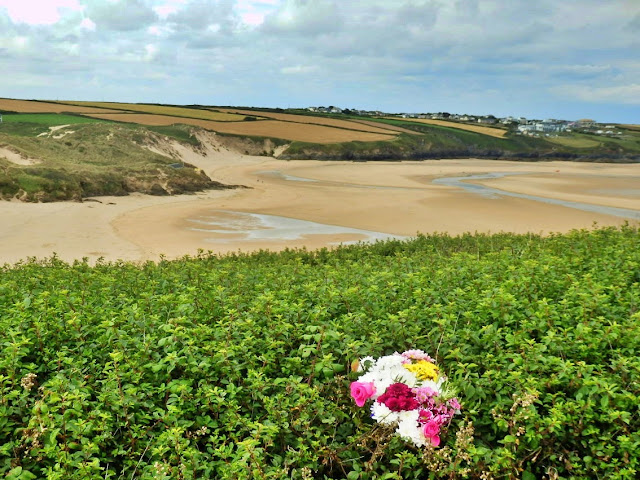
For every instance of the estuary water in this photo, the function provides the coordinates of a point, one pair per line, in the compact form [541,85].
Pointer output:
[231,226]
[462,182]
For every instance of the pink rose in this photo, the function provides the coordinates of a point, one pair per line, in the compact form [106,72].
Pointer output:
[431,428]
[362,391]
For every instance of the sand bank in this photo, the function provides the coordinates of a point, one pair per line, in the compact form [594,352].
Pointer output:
[345,202]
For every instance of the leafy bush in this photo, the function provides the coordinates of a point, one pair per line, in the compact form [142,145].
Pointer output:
[238,367]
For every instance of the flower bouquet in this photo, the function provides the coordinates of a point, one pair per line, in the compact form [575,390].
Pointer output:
[408,391]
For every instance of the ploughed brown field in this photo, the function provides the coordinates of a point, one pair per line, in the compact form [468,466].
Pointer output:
[203,114]
[303,132]
[330,122]
[29,106]
[491,131]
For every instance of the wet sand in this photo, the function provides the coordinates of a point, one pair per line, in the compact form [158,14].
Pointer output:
[345,201]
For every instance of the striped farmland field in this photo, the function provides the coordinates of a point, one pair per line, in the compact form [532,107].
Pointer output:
[303,132]
[31,106]
[329,122]
[165,110]
[491,131]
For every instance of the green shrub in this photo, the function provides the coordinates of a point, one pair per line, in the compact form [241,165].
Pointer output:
[238,367]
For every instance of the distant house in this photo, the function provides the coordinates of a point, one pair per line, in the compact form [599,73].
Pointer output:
[547,126]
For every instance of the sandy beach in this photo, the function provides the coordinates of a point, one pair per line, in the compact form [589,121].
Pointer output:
[313,204]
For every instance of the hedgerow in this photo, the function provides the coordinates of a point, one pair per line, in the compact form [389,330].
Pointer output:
[239,366]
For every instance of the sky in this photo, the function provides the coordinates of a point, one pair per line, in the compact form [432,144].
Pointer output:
[565,59]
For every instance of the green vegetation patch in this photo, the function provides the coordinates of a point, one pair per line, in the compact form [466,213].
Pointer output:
[97,159]
[48,119]
[445,142]
[576,141]
[238,367]
[32,124]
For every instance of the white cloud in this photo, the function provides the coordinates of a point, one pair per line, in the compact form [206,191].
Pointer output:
[298,69]
[122,15]
[168,8]
[19,43]
[151,51]
[38,12]
[253,12]
[616,94]
[430,54]
[88,24]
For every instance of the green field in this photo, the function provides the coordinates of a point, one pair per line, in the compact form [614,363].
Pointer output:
[238,367]
[48,119]
[575,141]
[32,124]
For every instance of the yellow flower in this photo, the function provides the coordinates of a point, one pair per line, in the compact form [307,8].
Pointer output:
[423,370]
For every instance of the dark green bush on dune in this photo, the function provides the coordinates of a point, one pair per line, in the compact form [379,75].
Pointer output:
[238,367]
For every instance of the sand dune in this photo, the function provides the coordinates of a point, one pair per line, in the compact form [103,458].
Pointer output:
[377,198]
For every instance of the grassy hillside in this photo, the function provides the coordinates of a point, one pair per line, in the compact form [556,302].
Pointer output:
[437,141]
[87,158]
[238,367]
[56,151]
[339,137]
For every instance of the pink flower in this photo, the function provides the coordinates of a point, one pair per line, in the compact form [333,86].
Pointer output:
[424,394]
[417,355]
[424,415]
[441,419]
[453,403]
[362,391]
[431,428]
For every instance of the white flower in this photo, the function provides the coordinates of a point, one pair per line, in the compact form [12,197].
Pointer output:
[386,371]
[381,414]
[368,362]
[389,361]
[409,428]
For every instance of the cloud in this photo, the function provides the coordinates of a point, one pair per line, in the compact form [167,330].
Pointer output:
[253,12]
[492,56]
[299,69]
[36,12]
[198,15]
[615,94]
[308,17]
[121,15]
[88,24]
